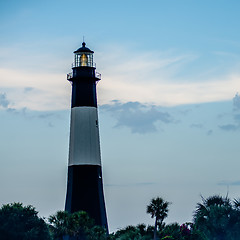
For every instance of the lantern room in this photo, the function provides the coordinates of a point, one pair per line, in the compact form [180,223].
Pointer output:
[83,57]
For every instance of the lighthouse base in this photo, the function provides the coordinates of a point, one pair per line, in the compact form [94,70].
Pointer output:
[85,192]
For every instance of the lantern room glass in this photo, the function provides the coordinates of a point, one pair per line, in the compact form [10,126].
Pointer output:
[83,59]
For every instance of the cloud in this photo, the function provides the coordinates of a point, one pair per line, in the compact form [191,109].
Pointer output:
[50,125]
[36,91]
[47,115]
[152,77]
[167,93]
[23,111]
[236,102]
[230,183]
[138,184]
[196,125]
[140,118]
[28,89]
[161,79]
[4,102]
[235,115]
[229,127]
[209,132]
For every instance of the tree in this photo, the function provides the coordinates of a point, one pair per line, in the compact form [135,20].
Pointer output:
[218,218]
[186,231]
[129,232]
[171,231]
[140,232]
[22,223]
[80,224]
[59,224]
[158,208]
[235,219]
[98,233]
[76,224]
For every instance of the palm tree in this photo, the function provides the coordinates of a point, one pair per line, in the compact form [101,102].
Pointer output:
[79,224]
[235,218]
[98,233]
[59,224]
[236,204]
[158,208]
[76,224]
[214,217]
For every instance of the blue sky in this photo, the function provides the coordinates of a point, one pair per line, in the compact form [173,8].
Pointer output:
[169,108]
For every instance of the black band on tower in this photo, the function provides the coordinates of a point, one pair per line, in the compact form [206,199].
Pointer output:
[84,93]
[85,192]
[84,87]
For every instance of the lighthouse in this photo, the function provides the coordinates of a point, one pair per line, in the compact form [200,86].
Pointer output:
[84,184]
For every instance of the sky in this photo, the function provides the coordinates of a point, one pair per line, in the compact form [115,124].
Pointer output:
[169,103]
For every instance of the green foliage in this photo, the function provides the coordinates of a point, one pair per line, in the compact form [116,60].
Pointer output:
[77,224]
[59,224]
[140,232]
[22,223]
[186,231]
[215,218]
[168,238]
[170,231]
[158,208]
[129,232]
[98,233]
[218,218]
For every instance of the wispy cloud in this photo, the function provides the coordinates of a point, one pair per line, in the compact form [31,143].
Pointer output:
[236,102]
[4,102]
[196,125]
[47,115]
[166,93]
[35,78]
[28,89]
[138,184]
[235,116]
[202,127]
[229,127]
[159,78]
[155,78]
[140,118]
[230,183]
[210,132]
[36,91]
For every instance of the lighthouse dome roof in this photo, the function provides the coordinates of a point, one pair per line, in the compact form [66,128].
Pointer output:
[83,49]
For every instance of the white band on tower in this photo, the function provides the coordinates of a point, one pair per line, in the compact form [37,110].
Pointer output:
[84,137]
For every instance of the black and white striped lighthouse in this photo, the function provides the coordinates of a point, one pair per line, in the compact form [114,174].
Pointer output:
[85,186]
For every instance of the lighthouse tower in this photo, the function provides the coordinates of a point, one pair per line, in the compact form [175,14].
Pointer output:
[85,186]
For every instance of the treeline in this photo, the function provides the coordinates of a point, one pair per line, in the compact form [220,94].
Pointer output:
[215,218]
